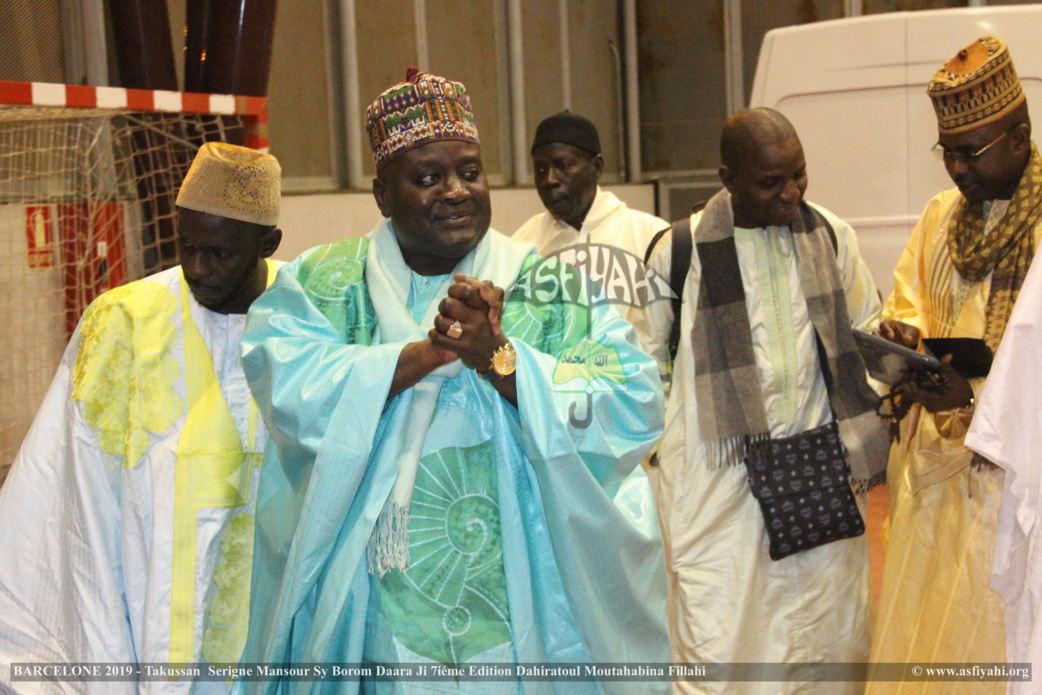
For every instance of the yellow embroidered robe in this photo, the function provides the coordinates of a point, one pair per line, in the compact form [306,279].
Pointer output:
[936,604]
[123,538]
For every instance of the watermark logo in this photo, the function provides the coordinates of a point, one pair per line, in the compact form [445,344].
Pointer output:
[607,275]
[584,277]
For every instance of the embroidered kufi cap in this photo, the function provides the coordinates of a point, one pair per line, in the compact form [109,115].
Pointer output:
[569,128]
[234,182]
[416,112]
[976,87]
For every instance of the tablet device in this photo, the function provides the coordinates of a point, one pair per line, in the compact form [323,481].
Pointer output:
[971,357]
[886,360]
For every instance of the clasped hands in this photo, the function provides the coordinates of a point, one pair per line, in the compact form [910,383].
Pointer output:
[935,391]
[468,326]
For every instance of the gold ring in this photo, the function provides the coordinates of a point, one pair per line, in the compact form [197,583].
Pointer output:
[455,330]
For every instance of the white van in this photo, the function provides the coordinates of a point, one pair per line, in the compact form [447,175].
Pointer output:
[856,91]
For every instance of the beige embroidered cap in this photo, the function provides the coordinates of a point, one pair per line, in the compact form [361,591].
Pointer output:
[235,182]
[976,87]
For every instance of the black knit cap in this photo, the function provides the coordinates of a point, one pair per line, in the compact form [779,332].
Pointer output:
[570,129]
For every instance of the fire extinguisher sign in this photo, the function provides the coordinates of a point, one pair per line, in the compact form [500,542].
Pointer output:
[39,232]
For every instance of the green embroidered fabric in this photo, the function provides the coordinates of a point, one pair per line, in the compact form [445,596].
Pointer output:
[546,309]
[452,602]
[333,279]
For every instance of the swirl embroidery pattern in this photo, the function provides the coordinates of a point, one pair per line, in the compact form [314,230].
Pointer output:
[332,277]
[548,307]
[452,603]
[125,376]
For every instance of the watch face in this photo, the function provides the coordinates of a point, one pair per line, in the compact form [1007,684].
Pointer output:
[504,362]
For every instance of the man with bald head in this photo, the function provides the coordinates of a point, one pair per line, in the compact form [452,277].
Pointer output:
[770,422]
[959,276]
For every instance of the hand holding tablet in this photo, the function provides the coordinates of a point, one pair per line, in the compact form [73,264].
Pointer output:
[971,357]
[937,384]
[899,332]
[887,361]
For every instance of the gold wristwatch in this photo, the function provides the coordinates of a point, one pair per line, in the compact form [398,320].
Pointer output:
[503,363]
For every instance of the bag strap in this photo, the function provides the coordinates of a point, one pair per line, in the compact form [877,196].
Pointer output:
[823,221]
[682,246]
[678,268]
[653,243]
[680,264]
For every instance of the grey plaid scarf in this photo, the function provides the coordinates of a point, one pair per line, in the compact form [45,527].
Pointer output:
[731,412]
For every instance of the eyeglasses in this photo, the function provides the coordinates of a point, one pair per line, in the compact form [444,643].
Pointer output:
[945,155]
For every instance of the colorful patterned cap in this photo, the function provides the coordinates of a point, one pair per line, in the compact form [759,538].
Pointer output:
[412,113]
[234,182]
[569,128]
[976,87]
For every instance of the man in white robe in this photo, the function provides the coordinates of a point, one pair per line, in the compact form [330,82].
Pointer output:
[566,157]
[1007,430]
[126,523]
[730,602]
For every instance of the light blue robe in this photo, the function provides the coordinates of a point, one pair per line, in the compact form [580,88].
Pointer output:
[581,551]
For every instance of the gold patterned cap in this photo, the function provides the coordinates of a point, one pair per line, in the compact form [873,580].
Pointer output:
[234,182]
[975,88]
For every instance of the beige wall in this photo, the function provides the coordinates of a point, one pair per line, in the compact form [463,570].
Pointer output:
[467,41]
